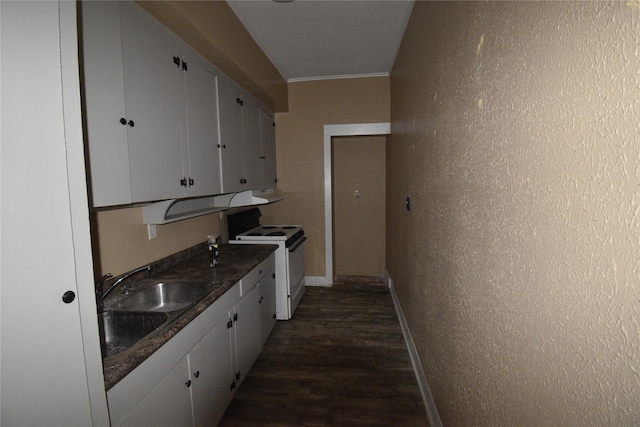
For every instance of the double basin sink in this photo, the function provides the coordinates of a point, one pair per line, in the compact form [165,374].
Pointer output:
[129,319]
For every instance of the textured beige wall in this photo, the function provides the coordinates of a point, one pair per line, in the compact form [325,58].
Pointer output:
[515,130]
[300,142]
[359,222]
[121,243]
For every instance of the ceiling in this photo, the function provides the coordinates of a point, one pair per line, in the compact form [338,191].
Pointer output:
[322,39]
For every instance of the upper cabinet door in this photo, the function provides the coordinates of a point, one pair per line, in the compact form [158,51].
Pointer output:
[230,138]
[203,154]
[251,145]
[104,109]
[268,157]
[154,107]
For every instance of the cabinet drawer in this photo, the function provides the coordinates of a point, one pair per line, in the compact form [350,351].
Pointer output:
[249,281]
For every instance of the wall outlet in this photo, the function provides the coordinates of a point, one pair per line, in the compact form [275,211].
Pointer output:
[152,230]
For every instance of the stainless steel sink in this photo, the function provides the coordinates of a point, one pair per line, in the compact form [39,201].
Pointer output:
[122,329]
[165,296]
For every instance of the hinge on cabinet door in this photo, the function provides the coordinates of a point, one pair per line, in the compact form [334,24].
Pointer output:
[235,317]
[176,61]
[184,66]
[230,324]
[183,182]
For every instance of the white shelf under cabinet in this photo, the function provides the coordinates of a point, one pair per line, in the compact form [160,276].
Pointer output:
[168,211]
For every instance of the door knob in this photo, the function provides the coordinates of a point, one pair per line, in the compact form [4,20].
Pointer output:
[68,297]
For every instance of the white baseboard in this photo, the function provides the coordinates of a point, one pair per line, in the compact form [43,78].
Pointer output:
[430,406]
[315,281]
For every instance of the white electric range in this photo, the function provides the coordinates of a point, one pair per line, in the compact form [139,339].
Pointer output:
[289,256]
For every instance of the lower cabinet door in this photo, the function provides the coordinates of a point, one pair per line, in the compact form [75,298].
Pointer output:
[212,376]
[267,305]
[168,403]
[248,334]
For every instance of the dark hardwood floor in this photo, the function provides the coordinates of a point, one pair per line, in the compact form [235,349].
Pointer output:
[341,361]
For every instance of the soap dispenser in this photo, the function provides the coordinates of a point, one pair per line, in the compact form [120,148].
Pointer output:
[213,251]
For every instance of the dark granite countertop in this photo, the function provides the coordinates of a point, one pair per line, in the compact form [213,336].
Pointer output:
[236,261]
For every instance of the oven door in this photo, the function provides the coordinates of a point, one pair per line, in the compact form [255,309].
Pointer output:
[295,255]
[295,267]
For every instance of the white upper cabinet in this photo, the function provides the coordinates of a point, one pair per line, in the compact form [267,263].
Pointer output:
[160,121]
[232,150]
[151,110]
[103,92]
[202,168]
[154,111]
[268,151]
[247,135]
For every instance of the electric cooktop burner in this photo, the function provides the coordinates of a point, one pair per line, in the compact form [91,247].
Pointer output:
[277,233]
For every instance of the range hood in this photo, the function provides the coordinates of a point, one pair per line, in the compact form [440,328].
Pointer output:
[168,211]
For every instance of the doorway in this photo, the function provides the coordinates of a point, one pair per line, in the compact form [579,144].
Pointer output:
[331,131]
[359,198]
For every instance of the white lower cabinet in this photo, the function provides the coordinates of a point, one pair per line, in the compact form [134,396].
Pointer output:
[191,379]
[267,305]
[212,375]
[248,337]
[167,404]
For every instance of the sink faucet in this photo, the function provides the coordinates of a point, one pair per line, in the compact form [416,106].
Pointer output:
[100,296]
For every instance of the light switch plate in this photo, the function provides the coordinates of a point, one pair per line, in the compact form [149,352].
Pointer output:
[152,230]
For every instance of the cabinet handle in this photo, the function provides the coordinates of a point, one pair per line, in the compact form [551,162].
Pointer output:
[233,385]
[68,297]
[197,374]
[188,383]
[219,145]
[230,324]
[224,145]
[183,182]
[184,66]
[176,61]
[273,275]
[131,123]
[262,157]
[123,121]
[191,182]
[274,315]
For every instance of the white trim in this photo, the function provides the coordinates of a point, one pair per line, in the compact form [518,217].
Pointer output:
[359,129]
[430,406]
[336,77]
[315,281]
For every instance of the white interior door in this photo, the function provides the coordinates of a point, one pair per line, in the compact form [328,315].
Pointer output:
[48,365]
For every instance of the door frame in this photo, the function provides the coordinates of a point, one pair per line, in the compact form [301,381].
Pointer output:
[358,129]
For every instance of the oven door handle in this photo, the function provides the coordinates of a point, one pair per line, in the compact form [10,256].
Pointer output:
[297,244]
